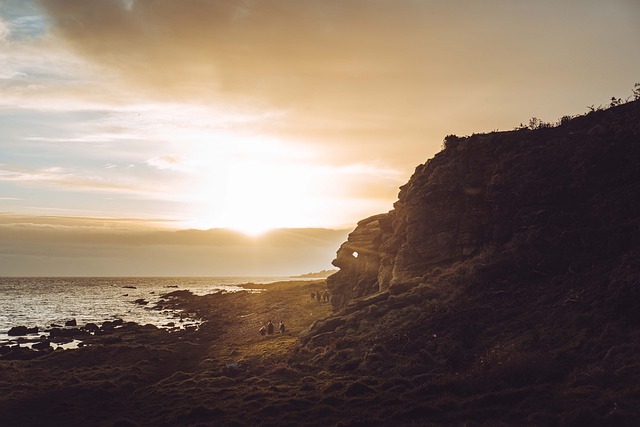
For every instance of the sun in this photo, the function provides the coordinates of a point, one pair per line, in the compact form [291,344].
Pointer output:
[262,196]
[254,231]
[253,192]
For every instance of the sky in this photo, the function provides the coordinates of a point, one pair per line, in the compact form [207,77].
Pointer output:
[138,117]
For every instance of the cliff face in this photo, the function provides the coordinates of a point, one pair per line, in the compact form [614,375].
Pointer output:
[551,196]
[505,284]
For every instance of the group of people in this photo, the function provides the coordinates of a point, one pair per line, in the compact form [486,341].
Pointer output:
[321,296]
[269,328]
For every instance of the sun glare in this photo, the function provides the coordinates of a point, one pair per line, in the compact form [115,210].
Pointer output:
[251,184]
[262,196]
[255,183]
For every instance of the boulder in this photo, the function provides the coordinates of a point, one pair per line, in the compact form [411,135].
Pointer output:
[71,322]
[91,327]
[17,331]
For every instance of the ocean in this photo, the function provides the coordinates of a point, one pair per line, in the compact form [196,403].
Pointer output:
[41,301]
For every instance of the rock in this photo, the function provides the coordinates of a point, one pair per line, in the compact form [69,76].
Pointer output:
[528,191]
[73,333]
[71,322]
[141,301]
[42,345]
[17,331]
[107,325]
[359,261]
[91,327]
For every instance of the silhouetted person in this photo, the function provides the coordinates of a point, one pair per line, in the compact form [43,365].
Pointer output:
[325,296]
[263,330]
[318,296]
[270,328]
[281,327]
[313,296]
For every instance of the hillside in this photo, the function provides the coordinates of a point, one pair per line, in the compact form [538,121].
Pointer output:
[504,286]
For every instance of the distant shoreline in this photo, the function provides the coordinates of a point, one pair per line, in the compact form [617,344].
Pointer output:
[317,275]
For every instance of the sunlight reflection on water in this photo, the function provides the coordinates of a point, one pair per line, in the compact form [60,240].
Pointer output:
[45,301]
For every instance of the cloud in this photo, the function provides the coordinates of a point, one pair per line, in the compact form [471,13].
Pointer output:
[106,246]
[353,75]
[171,162]
[4,30]
[279,49]
[70,180]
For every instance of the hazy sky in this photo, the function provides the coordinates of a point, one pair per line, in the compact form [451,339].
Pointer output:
[255,114]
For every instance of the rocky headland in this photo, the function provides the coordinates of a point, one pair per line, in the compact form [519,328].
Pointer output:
[505,284]
[502,289]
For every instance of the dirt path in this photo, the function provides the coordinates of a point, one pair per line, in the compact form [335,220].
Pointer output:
[235,320]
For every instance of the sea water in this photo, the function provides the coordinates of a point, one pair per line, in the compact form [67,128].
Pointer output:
[41,302]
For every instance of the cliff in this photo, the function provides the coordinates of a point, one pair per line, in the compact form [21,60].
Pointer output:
[556,194]
[509,262]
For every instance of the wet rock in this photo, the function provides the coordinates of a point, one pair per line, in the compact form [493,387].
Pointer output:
[17,331]
[107,325]
[73,333]
[91,327]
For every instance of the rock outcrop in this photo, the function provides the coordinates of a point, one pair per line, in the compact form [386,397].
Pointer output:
[555,198]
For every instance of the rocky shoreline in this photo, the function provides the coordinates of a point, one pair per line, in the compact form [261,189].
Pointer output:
[127,374]
[33,342]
